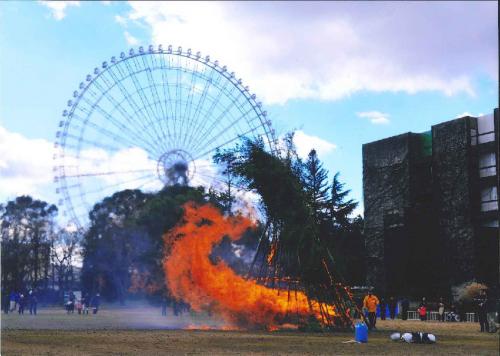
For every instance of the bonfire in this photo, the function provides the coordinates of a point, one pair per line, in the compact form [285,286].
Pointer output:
[241,301]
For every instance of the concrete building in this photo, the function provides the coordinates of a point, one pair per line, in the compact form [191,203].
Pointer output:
[431,207]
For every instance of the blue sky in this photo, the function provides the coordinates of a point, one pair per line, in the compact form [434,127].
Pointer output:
[343,74]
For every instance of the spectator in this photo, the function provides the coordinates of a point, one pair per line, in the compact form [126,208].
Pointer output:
[370,303]
[422,312]
[5,302]
[85,303]
[96,301]
[79,306]
[383,307]
[481,301]
[33,300]
[405,306]
[164,303]
[422,309]
[441,309]
[22,303]
[13,301]
[392,307]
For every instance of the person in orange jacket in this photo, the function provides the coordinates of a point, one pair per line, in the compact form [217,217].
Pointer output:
[370,303]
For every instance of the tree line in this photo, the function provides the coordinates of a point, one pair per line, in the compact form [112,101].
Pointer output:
[121,252]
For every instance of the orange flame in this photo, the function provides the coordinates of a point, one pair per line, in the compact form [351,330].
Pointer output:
[191,276]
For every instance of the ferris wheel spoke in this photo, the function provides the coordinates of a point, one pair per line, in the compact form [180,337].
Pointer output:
[201,103]
[232,104]
[201,123]
[149,177]
[156,95]
[221,180]
[143,99]
[130,100]
[189,103]
[115,122]
[212,149]
[164,75]
[79,140]
[177,104]
[114,136]
[101,189]
[156,112]
[202,135]
[95,174]
[118,106]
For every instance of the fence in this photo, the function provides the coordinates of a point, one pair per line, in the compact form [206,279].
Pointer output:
[433,315]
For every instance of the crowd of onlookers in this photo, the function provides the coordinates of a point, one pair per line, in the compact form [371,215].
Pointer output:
[83,304]
[481,305]
[21,302]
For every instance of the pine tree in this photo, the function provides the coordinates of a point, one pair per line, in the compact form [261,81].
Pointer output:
[339,208]
[316,186]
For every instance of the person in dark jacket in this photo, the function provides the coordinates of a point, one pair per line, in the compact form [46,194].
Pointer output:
[164,304]
[383,308]
[96,301]
[33,300]
[392,307]
[405,306]
[22,303]
[481,302]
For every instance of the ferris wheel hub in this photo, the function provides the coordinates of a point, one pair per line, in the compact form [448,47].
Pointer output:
[175,167]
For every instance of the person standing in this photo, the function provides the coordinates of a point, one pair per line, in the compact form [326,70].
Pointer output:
[383,307]
[13,301]
[441,309]
[33,300]
[96,301]
[481,301]
[370,303]
[405,306]
[22,303]
[422,310]
[164,303]
[85,304]
[392,307]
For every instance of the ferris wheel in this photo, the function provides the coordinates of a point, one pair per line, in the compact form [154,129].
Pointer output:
[150,118]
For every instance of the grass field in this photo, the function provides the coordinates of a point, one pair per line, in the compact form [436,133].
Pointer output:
[145,332]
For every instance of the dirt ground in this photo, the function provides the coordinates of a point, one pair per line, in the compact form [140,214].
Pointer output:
[145,332]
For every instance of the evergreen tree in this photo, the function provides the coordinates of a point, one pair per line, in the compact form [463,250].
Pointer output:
[315,179]
[339,208]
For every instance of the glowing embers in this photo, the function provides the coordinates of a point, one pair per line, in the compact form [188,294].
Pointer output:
[192,277]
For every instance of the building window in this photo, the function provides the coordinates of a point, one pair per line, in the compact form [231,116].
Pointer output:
[487,165]
[489,199]
[486,128]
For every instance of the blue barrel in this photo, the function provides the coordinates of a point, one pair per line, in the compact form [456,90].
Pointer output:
[361,332]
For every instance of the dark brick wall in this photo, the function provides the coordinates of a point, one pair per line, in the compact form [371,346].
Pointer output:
[451,166]
[386,174]
[423,227]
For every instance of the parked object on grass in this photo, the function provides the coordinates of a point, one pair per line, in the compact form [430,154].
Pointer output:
[414,337]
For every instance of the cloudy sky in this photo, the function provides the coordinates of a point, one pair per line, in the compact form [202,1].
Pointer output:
[340,73]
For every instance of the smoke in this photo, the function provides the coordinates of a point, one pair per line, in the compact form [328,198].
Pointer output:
[194,275]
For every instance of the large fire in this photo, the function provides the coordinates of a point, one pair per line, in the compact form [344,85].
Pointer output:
[192,277]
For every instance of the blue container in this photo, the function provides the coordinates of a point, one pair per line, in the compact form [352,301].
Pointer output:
[361,332]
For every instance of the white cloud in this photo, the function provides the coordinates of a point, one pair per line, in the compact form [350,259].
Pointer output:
[305,143]
[25,165]
[58,8]
[329,50]
[375,117]
[131,40]
[121,20]
[466,113]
